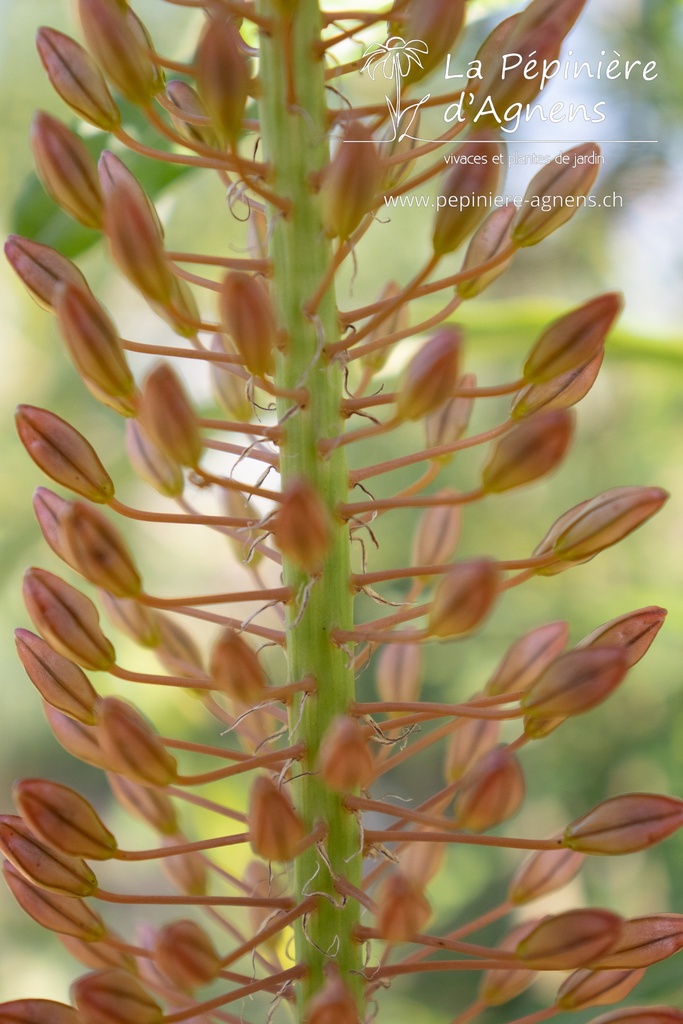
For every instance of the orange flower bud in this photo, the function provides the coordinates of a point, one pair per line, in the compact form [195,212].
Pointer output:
[41,269]
[114,997]
[431,376]
[402,908]
[436,24]
[64,915]
[472,739]
[59,681]
[186,871]
[562,13]
[563,942]
[529,451]
[75,76]
[543,872]
[48,508]
[501,985]
[223,76]
[149,805]
[438,533]
[133,619]
[83,741]
[504,85]
[275,828]
[120,46]
[188,105]
[37,1011]
[243,541]
[575,682]
[332,1004]
[351,181]
[491,238]
[624,824]
[421,862]
[528,658]
[632,633]
[574,339]
[605,520]
[236,669]
[561,392]
[249,319]
[168,418]
[464,597]
[64,819]
[44,866]
[98,954]
[586,988]
[152,464]
[98,551]
[63,454]
[178,652]
[644,941]
[185,954]
[465,195]
[134,749]
[641,1015]
[491,792]
[66,169]
[560,187]
[302,528]
[344,757]
[229,389]
[133,230]
[67,619]
[448,423]
[399,672]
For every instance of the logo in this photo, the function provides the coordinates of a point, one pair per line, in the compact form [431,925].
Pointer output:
[395,59]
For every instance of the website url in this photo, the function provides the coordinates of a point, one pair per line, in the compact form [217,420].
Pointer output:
[544,203]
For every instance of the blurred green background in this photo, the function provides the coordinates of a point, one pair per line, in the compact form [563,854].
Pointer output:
[629,433]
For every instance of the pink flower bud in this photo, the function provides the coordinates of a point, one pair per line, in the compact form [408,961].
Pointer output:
[133,747]
[350,182]
[448,423]
[436,24]
[223,76]
[491,238]
[67,619]
[464,597]
[186,871]
[528,658]
[41,864]
[186,955]
[229,389]
[402,908]
[275,828]
[177,651]
[624,824]
[236,669]
[188,104]
[78,80]
[421,862]
[41,269]
[543,872]
[644,941]
[64,819]
[431,376]
[136,242]
[560,186]
[465,195]
[114,997]
[302,528]
[561,392]
[167,416]
[605,520]
[151,464]
[438,533]
[563,942]
[133,619]
[37,1011]
[472,740]
[491,792]
[64,915]
[562,13]
[49,508]
[60,682]
[586,988]
[344,757]
[529,451]
[249,319]
[66,170]
[399,672]
[503,86]
[641,1015]
[98,954]
[120,46]
[98,551]
[575,682]
[632,633]
[149,805]
[332,1004]
[574,339]
[501,985]
[63,454]
[82,741]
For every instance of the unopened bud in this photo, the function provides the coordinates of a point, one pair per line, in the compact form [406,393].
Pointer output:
[574,339]
[49,508]
[438,533]
[624,824]
[187,871]
[644,941]
[99,954]
[561,392]
[350,182]
[575,682]
[562,13]
[75,76]
[302,527]
[185,954]
[136,242]
[132,618]
[67,619]
[244,542]
[134,748]
[60,682]
[529,451]
[64,915]
[236,669]
[177,651]
[641,1015]
[528,658]
[66,170]
[114,997]
[402,908]
[151,464]
[430,377]
[168,418]
[64,819]
[563,942]
[120,46]
[399,672]
[543,872]
[422,861]
[396,321]
[41,864]
[152,806]
[82,741]
[37,1011]
[229,389]
[448,423]
[249,319]
[503,984]
[275,828]
[344,757]
[42,269]
[63,454]
[223,76]
[632,633]
[436,24]
[586,988]
[465,195]
[391,145]
[491,239]
[188,106]
[505,83]
[559,186]
[464,597]
[491,792]
[98,551]
[472,739]
[605,520]
[334,1003]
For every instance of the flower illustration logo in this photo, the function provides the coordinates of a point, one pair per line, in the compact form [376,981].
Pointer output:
[396,58]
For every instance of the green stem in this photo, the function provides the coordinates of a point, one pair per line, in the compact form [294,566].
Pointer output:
[294,130]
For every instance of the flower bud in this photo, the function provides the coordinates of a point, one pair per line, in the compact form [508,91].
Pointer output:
[632,633]
[391,145]
[431,376]
[574,339]
[189,106]
[152,806]
[562,13]
[136,243]
[448,423]
[41,864]
[37,1011]
[436,24]
[402,908]
[543,872]
[249,319]
[302,528]
[134,748]
[186,955]
[528,658]
[98,954]
[438,533]
[228,388]
[41,269]
[624,824]
[491,792]
[223,77]
[573,939]
[491,239]
[66,169]
[472,740]
[351,181]
[575,682]
[464,597]
[421,861]
[49,508]
[586,988]
[332,1004]
[114,997]
[82,741]
[465,195]
[529,451]
[67,619]
[504,86]
[560,186]
[344,757]
[64,819]
[236,669]
[133,619]
[605,520]
[178,652]
[644,941]
[561,392]
[120,46]
[64,915]
[186,871]
[98,551]
[75,76]
[60,682]
[641,1015]
[275,828]
[168,418]
[63,454]
[396,321]
[503,984]
[399,672]
[151,464]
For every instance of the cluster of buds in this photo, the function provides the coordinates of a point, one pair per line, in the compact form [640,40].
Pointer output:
[316,874]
